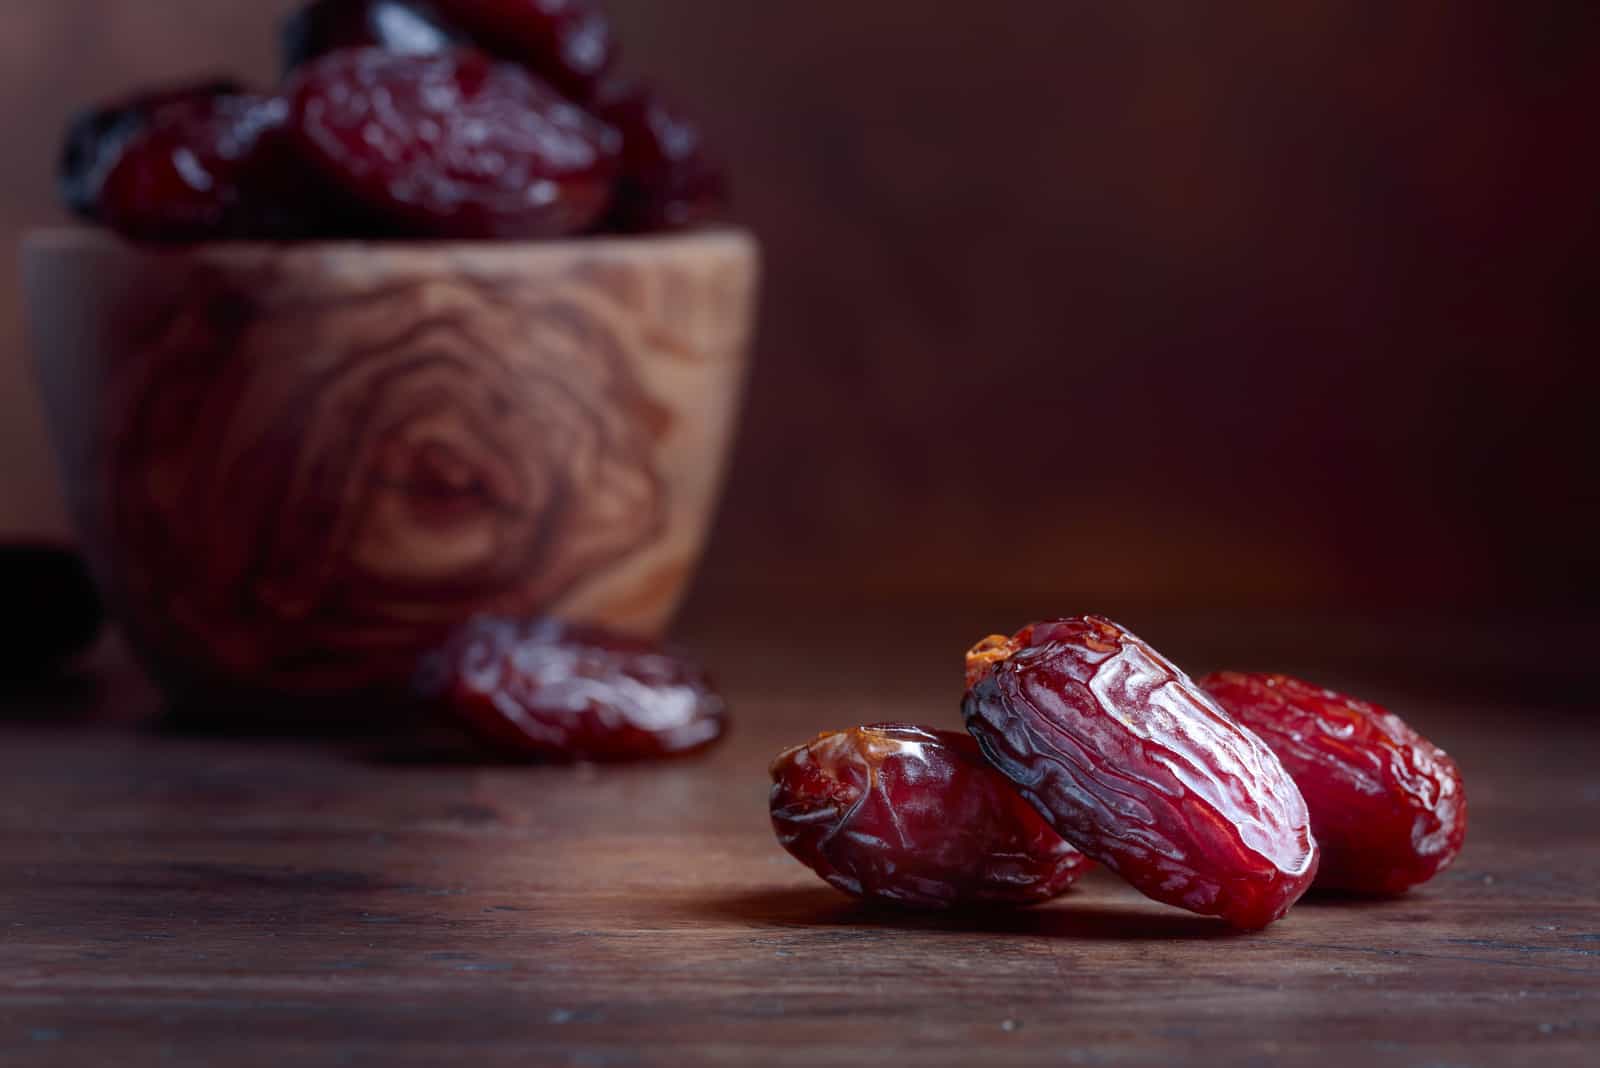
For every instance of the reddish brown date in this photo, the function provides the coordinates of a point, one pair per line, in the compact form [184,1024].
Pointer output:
[413,27]
[454,145]
[568,43]
[212,167]
[914,817]
[96,138]
[1387,805]
[547,690]
[669,178]
[1132,763]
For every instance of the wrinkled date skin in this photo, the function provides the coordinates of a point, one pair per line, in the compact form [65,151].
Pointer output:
[669,179]
[1133,764]
[410,27]
[454,145]
[212,167]
[914,817]
[547,690]
[1387,805]
[96,137]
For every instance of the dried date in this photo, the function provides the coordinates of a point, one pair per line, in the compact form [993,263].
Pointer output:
[669,178]
[1387,805]
[914,817]
[412,27]
[96,138]
[454,145]
[568,43]
[1132,763]
[213,167]
[547,690]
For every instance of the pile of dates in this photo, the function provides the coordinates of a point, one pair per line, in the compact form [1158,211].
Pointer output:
[448,119]
[1229,797]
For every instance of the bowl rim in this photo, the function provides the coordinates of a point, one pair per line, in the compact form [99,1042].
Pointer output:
[57,237]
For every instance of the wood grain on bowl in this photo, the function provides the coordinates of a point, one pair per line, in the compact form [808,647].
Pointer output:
[297,466]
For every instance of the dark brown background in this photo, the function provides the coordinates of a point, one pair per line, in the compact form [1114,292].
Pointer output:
[1277,306]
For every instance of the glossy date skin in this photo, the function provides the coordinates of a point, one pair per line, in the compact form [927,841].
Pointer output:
[912,817]
[411,27]
[670,180]
[546,690]
[568,43]
[1132,763]
[1387,805]
[455,145]
[96,138]
[213,167]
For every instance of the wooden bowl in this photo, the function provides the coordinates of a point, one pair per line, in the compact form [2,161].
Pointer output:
[294,467]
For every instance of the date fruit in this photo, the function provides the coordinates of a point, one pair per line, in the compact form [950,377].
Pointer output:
[568,43]
[548,690]
[454,145]
[212,167]
[64,611]
[669,179]
[914,817]
[1131,762]
[96,138]
[410,27]
[1387,805]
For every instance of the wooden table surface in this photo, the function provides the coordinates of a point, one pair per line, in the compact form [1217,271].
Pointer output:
[180,899]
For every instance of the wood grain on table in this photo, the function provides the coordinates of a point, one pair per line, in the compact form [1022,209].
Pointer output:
[181,899]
